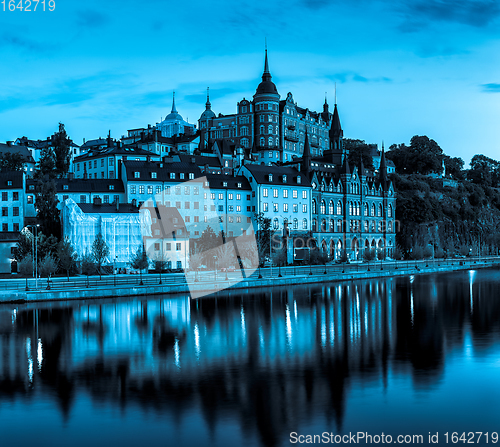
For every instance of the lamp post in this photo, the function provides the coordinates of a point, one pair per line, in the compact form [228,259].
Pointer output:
[215,267]
[36,252]
[114,270]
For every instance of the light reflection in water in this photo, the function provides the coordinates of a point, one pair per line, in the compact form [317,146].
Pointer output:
[261,363]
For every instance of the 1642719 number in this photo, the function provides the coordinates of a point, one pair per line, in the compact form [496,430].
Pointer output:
[28,5]
[472,437]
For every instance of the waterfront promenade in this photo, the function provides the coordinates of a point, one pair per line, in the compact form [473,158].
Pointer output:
[112,286]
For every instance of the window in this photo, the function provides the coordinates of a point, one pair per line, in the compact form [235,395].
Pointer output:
[83,199]
[181,175]
[276,223]
[265,207]
[168,246]
[153,175]
[191,176]
[157,246]
[30,200]
[158,189]
[196,218]
[187,219]
[5,211]
[95,163]
[179,264]
[264,192]
[137,174]
[221,207]
[238,196]
[102,162]
[304,194]
[322,207]
[339,207]
[106,198]
[187,205]
[314,210]
[133,189]
[178,205]
[177,190]
[5,196]
[141,189]
[295,208]
[172,175]
[178,246]
[276,207]
[187,190]
[111,161]
[5,227]
[167,189]
[196,190]
[304,224]
[285,207]
[31,187]
[304,208]
[238,208]
[331,208]
[111,187]
[275,192]
[298,179]
[15,227]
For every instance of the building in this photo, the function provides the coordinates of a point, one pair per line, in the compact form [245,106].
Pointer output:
[174,124]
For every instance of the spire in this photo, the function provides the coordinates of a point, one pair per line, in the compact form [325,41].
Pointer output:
[173,103]
[208,105]
[345,167]
[266,86]
[306,155]
[266,68]
[383,170]
[335,129]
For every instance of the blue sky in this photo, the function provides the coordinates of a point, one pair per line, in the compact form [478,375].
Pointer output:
[402,68]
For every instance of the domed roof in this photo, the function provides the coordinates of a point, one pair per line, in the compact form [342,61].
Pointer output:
[266,86]
[207,114]
[173,115]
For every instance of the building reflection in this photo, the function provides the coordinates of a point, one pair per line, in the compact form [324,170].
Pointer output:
[269,359]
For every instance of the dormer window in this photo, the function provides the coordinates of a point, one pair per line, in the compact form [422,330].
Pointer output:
[153,175]
[65,187]
[137,174]
[284,179]
[182,175]
[298,179]
[172,175]
[224,184]
[31,187]
[239,185]
[270,177]
[191,175]
[111,187]
[9,183]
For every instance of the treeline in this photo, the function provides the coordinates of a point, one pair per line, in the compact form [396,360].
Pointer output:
[459,212]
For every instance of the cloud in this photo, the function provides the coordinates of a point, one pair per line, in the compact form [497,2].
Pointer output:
[91,19]
[478,13]
[491,88]
[356,77]
[23,43]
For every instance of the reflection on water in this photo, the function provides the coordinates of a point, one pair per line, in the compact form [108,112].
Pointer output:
[403,356]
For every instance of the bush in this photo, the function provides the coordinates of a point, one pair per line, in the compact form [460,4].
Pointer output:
[381,254]
[439,253]
[417,252]
[428,251]
[369,254]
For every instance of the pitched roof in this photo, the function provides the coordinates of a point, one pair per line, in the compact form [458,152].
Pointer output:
[261,175]
[161,169]
[108,208]
[16,177]
[16,149]
[127,150]
[217,181]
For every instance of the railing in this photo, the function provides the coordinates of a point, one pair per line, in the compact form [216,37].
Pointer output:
[82,282]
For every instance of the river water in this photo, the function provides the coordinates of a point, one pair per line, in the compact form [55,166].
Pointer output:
[416,355]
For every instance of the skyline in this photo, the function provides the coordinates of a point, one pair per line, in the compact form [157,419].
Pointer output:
[401,68]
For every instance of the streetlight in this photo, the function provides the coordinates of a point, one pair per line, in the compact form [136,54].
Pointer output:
[114,269]
[36,252]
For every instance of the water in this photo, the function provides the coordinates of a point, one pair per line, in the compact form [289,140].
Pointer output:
[402,356]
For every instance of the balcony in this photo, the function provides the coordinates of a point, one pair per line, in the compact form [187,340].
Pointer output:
[292,137]
[290,126]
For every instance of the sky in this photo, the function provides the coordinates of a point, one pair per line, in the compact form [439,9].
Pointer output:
[401,68]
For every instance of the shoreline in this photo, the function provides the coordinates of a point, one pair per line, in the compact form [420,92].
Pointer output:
[209,288]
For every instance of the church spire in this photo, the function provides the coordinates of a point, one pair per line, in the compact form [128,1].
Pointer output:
[383,170]
[208,105]
[173,103]
[306,155]
[266,76]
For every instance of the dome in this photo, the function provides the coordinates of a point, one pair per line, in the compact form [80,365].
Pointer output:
[173,116]
[207,115]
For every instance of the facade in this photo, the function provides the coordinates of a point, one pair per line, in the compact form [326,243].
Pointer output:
[174,124]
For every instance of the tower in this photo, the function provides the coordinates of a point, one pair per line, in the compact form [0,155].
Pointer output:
[266,112]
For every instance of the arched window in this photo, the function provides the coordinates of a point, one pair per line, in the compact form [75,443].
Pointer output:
[339,207]
[389,227]
[243,130]
[331,207]
[379,214]
[276,224]
[332,226]
[277,130]
[350,208]
[270,129]
[373,210]
[277,142]
[261,129]
[262,141]
[366,209]
[323,207]
[389,211]
[304,224]
[314,224]
[270,141]
[323,225]
[314,211]
[295,224]
[339,226]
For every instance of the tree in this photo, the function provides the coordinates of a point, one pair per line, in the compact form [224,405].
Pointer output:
[100,252]
[25,267]
[11,162]
[208,241]
[139,260]
[47,267]
[24,245]
[423,156]
[46,164]
[195,261]
[358,150]
[46,205]
[46,245]
[88,266]
[369,254]
[67,255]
[454,167]
[62,151]
[263,236]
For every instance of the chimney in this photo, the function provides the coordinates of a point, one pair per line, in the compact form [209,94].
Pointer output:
[97,201]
